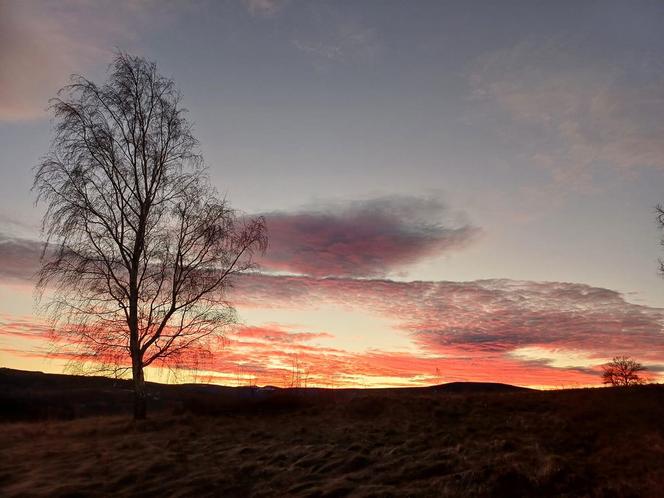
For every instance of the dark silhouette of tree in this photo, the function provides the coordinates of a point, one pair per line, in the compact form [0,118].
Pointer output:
[659,209]
[623,371]
[140,250]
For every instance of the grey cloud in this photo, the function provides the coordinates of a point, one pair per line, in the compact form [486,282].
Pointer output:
[19,257]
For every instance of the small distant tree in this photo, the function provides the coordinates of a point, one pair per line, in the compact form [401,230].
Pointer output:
[623,371]
[141,249]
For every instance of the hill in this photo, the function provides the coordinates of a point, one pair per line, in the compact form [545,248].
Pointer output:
[440,441]
[35,395]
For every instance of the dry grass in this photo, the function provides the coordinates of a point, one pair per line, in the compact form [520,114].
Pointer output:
[601,442]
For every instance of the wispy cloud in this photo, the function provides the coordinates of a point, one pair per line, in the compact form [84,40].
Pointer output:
[332,35]
[486,319]
[24,327]
[527,333]
[364,238]
[276,333]
[511,330]
[271,354]
[264,8]
[349,43]
[269,362]
[570,115]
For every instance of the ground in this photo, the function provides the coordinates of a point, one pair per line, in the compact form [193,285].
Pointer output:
[427,442]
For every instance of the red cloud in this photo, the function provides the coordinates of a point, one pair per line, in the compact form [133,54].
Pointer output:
[277,334]
[270,363]
[362,239]
[481,319]
[274,355]
[490,330]
[482,330]
[24,328]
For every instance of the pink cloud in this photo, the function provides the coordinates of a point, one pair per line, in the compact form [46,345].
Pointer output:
[277,334]
[484,319]
[364,238]
[270,354]
[22,327]
[269,362]
[504,330]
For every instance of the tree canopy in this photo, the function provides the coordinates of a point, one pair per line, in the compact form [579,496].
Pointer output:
[140,249]
[623,371]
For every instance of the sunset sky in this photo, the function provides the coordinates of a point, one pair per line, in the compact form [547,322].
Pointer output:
[453,190]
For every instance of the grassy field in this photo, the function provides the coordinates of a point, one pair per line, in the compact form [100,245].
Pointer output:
[592,442]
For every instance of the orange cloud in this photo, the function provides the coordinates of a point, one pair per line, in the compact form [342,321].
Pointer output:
[487,319]
[503,330]
[266,362]
[272,355]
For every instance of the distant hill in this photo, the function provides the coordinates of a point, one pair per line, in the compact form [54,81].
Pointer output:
[478,387]
[463,439]
[26,395]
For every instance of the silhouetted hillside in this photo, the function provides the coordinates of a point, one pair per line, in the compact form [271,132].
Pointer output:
[477,387]
[473,440]
[36,395]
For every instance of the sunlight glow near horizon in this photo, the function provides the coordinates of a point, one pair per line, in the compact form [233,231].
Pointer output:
[353,330]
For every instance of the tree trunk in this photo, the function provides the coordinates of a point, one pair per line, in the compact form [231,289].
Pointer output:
[140,396]
[134,343]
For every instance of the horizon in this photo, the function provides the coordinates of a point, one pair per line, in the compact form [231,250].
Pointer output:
[453,192]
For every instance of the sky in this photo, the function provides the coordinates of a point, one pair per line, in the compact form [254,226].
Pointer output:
[453,190]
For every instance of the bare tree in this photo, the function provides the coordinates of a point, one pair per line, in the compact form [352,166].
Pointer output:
[623,371]
[140,250]
[659,210]
[299,373]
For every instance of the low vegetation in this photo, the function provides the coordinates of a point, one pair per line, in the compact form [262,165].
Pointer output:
[623,371]
[472,440]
